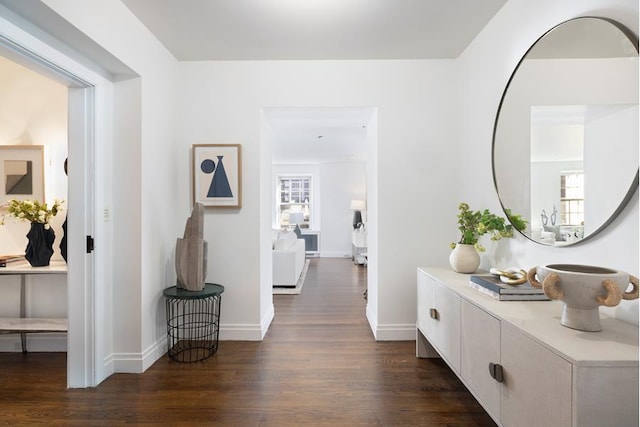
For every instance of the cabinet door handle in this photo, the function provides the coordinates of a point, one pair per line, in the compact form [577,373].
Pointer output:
[433,313]
[495,370]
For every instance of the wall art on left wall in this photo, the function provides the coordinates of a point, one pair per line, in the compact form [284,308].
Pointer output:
[21,173]
[217,175]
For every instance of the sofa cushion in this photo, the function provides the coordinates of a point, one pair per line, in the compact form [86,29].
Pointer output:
[285,240]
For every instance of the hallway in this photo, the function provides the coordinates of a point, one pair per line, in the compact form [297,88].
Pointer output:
[317,366]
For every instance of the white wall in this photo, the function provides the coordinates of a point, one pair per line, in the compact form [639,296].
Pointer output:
[341,183]
[484,69]
[611,159]
[221,102]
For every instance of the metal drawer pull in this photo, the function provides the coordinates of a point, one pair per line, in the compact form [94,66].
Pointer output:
[495,370]
[433,313]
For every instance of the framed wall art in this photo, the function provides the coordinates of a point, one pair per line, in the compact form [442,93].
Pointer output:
[21,173]
[217,175]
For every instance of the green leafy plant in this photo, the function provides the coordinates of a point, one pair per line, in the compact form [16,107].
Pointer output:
[32,211]
[473,224]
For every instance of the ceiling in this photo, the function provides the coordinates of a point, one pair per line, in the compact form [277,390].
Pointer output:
[200,30]
[194,30]
[319,135]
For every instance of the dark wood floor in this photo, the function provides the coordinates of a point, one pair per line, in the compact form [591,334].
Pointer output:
[318,366]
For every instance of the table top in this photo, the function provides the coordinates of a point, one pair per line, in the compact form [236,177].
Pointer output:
[210,289]
[56,267]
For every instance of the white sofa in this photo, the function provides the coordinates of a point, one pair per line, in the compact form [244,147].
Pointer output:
[288,258]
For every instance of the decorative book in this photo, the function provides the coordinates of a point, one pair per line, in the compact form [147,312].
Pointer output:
[9,260]
[492,285]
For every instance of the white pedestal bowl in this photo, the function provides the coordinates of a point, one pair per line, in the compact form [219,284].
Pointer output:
[583,289]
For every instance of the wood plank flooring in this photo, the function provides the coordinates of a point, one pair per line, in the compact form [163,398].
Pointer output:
[318,366]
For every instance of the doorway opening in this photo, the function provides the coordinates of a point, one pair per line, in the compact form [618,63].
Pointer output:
[77,144]
[333,151]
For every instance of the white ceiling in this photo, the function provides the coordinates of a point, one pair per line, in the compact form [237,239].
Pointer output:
[319,135]
[195,30]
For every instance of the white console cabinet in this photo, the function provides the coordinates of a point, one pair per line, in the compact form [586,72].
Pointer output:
[523,367]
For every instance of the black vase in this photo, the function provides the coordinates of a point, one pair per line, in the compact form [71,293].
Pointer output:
[63,241]
[40,246]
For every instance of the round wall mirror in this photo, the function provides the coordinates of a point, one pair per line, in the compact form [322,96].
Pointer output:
[565,140]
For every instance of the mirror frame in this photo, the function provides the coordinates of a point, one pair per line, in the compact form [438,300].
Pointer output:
[633,38]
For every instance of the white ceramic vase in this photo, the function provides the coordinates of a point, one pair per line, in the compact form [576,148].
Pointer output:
[583,289]
[464,258]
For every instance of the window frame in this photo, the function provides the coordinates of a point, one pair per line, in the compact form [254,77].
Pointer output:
[306,205]
[572,205]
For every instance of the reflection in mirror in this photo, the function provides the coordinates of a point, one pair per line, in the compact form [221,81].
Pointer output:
[565,147]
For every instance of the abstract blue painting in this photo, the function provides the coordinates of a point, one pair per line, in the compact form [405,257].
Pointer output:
[217,175]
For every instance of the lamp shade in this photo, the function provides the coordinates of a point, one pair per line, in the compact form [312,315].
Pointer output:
[358,205]
[296,217]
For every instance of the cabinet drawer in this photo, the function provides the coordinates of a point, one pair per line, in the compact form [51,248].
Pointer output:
[439,318]
[480,346]
[537,383]
[426,301]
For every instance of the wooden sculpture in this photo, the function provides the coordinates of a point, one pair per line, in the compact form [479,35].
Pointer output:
[191,253]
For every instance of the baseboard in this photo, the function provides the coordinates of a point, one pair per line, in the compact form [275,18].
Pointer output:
[391,332]
[266,321]
[398,332]
[136,363]
[335,254]
[242,332]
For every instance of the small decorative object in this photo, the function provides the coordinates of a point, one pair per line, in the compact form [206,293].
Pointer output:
[511,276]
[191,253]
[472,225]
[40,236]
[583,289]
[464,258]
[357,206]
[217,175]
[40,245]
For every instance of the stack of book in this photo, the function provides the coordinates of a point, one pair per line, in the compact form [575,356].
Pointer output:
[491,285]
[11,260]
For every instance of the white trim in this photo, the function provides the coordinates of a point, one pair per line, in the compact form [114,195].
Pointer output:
[390,332]
[372,319]
[247,332]
[266,320]
[137,363]
[396,332]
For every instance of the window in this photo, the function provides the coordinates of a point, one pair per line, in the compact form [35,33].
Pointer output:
[572,198]
[294,201]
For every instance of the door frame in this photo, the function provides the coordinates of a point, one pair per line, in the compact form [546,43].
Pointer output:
[84,97]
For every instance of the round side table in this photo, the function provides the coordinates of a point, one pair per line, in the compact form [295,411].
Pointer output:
[193,322]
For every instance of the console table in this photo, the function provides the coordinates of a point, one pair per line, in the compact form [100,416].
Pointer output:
[24,325]
[193,322]
[520,363]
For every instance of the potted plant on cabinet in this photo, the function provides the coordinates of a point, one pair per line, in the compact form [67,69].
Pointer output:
[472,225]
